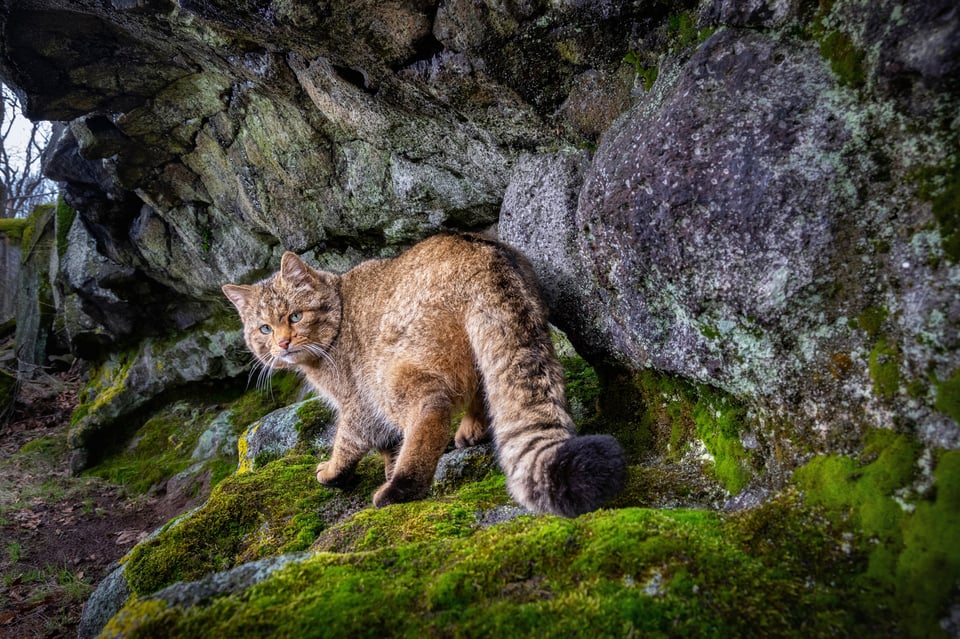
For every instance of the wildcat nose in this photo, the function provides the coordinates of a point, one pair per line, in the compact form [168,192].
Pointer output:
[284,344]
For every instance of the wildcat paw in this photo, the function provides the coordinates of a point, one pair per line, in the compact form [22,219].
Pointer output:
[471,432]
[327,475]
[397,491]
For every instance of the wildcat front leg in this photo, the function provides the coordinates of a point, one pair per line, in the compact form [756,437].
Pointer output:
[426,433]
[337,472]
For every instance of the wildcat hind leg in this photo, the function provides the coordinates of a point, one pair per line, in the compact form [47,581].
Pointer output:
[475,426]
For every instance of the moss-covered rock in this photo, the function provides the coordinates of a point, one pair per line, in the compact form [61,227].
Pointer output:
[125,383]
[13,228]
[852,544]
[306,426]
[35,311]
[869,547]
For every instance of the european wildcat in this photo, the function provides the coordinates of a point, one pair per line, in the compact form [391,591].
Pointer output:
[400,345]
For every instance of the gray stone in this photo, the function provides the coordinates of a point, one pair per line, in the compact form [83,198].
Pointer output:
[218,439]
[228,582]
[463,465]
[278,432]
[103,604]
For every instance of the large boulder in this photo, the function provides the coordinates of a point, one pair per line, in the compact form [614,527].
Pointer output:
[764,221]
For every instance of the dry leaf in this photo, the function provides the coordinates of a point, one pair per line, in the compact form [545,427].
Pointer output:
[127,536]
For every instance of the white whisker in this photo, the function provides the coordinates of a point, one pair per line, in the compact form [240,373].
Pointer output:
[318,350]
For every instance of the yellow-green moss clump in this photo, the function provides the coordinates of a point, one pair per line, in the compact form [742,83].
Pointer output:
[884,366]
[13,228]
[282,508]
[912,542]
[948,397]
[658,414]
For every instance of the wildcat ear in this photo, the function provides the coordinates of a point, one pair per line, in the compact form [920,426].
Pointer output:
[240,295]
[294,270]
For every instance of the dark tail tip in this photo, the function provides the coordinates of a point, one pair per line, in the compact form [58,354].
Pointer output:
[585,473]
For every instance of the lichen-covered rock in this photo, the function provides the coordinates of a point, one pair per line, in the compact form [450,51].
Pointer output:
[758,224]
[344,131]
[126,382]
[274,435]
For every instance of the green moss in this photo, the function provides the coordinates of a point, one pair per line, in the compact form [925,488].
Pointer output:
[871,320]
[452,516]
[65,217]
[948,397]
[648,73]
[718,421]
[884,366]
[582,388]
[631,572]
[220,533]
[313,418]
[845,59]
[928,569]
[657,412]
[160,450]
[912,551]
[33,230]
[106,381]
[282,508]
[13,228]
[684,32]
[940,185]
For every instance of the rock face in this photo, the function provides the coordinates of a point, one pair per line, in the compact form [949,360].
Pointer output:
[770,207]
[754,222]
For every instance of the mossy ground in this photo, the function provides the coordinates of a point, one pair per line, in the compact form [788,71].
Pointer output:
[627,572]
[857,545]
[911,538]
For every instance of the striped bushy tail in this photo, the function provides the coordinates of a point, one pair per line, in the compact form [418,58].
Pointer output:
[549,468]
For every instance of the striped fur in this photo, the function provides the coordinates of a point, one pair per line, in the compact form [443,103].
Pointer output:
[399,346]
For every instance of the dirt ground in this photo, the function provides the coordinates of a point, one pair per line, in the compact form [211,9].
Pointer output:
[60,535]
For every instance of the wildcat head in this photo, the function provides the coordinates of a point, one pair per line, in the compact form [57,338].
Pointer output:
[291,318]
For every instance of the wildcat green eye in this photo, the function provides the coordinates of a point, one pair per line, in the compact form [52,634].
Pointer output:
[296,317]
[266,329]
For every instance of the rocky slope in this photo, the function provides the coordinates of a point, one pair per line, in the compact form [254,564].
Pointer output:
[744,214]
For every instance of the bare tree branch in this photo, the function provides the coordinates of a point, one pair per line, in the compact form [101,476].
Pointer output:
[22,186]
